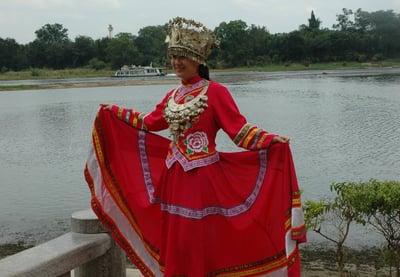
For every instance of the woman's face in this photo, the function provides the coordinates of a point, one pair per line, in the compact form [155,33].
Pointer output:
[185,68]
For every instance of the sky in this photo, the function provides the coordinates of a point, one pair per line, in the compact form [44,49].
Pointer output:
[19,19]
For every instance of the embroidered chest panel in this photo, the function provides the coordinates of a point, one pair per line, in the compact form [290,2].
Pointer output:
[184,107]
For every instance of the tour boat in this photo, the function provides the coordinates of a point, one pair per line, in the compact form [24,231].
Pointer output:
[139,71]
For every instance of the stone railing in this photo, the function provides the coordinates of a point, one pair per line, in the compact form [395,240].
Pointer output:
[88,250]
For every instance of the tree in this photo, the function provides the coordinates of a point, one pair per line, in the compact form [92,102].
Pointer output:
[121,50]
[151,44]
[372,202]
[294,46]
[83,50]
[332,219]
[235,47]
[12,55]
[101,48]
[51,48]
[379,203]
[313,23]
[51,34]
[259,36]
[384,26]
[344,21]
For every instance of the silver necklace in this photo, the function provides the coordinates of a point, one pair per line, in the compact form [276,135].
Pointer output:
[181,116]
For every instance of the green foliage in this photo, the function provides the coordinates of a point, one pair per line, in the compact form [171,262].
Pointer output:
[358,36]
[373,202]
[151,44]
[51,34]
[331,218]
[83,51]
[235,45]
[96,64]
[344,21]
[313,23]
[51,48]
[35,72]
[122,50]
[12,55]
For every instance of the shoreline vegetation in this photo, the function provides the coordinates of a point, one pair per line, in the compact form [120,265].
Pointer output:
[55,75]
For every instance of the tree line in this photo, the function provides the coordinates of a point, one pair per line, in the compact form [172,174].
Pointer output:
[357,36]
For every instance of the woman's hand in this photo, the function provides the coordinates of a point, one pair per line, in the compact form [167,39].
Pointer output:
[106,106]
[281,139]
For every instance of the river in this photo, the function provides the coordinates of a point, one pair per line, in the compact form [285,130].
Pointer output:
[343,127]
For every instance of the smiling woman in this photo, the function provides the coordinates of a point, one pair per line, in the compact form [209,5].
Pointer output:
[187,207]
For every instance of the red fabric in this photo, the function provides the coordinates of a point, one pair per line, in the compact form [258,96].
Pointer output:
[222,113]
[229,218]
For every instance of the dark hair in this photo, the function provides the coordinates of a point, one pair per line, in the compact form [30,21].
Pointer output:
[204,72]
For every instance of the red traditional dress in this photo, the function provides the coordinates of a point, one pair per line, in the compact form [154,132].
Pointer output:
[180,207]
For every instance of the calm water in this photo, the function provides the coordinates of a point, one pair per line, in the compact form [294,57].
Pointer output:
[342,128]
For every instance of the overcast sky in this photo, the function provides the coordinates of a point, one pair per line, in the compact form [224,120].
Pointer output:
[19,19]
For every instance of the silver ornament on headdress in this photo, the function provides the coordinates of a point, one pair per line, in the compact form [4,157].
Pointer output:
[191,39]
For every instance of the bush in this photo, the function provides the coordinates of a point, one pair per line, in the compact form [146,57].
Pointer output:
[35,72]
[378,57]
[96,64]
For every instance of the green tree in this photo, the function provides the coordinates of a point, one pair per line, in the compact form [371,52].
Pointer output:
[379,203]
[51,34]
[101,48]
[313,23]
[384,26]
[293,48]
[122,50]
[51,48]
[151,44]
[235,48]
[332,219]
[96,64]
[259,36]
[12,55]
[83,50]
[345,23]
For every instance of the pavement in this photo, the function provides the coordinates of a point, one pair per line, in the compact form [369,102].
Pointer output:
[131,272]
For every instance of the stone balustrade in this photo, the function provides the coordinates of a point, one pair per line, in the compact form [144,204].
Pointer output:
[87,251]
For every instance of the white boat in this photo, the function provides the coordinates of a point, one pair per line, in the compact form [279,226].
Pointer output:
[139,71]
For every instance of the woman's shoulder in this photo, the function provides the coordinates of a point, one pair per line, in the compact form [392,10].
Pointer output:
[215,84]
[217,89]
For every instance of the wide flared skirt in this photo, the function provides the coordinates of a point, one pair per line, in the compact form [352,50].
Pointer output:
[240,216]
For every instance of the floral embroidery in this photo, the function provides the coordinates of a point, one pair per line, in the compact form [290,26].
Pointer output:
[196,143]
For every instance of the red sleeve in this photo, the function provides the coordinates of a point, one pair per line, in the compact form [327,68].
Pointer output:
[230,119]
[153,121]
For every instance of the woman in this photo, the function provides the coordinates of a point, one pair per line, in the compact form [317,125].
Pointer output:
[179,207]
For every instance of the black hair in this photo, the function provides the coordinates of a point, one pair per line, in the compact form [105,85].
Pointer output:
[204,72]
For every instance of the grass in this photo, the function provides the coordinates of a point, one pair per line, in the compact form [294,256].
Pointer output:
[320,66]
[36,73]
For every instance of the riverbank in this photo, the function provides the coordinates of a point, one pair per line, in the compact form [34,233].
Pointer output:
[77,78]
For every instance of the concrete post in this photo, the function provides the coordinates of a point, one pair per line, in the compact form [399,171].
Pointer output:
[113,263]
